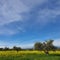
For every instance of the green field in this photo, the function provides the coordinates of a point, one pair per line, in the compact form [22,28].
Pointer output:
[28,55]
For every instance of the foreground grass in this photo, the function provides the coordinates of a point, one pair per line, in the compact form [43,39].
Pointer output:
[29,55]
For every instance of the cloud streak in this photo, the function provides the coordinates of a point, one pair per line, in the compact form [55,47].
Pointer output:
[10,11]
[29,12]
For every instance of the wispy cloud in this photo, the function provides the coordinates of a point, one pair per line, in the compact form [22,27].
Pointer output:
[29,12]
[31,45]
[44,13]
[11,29]
[10,11]
[31,3]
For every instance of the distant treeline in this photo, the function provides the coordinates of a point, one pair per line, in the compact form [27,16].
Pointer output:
[15,48]
[45,46]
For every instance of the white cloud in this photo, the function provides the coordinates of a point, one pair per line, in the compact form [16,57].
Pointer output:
[10,11]
[31,3]
[10,44]
[27,45]
[4,30]
[30,45]
[45,16]
[3,43]
[7,32]
[57,42]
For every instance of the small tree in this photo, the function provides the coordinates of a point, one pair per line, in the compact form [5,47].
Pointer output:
[17,48]
[6,48]
[1,49]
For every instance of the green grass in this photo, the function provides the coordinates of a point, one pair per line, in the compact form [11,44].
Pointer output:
[31,57]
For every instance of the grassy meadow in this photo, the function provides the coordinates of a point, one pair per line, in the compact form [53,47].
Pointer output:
[29,55]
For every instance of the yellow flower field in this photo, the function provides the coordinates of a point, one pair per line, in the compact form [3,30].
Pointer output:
[6,53]
[29,55]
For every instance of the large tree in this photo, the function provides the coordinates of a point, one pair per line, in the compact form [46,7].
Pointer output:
[45,46]
[38,46]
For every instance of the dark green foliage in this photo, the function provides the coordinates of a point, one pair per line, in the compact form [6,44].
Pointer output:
[46,46]
[6,48]
[1,49]
[38,46]
[16,48]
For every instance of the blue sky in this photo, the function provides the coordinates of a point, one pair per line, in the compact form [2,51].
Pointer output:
[24,22]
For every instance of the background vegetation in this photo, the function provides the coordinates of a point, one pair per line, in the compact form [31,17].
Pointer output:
[41,51]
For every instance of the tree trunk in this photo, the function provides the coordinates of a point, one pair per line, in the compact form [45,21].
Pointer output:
[46,52]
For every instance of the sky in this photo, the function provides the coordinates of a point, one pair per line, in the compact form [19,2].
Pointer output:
[24,22]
